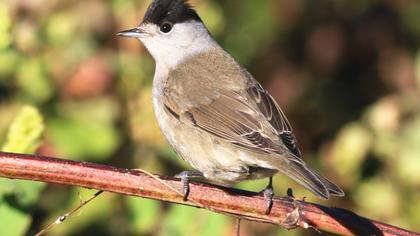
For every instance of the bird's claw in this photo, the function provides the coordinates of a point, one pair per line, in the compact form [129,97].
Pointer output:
[185,179]
[268,193]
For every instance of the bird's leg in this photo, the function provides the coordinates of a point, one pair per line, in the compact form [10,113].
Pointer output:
[290,194]
[185,177]
[268,194]
[291,221]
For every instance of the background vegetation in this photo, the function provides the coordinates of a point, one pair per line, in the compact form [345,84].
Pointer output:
[347,74]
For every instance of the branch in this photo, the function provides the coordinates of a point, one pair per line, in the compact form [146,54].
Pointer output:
[242,204]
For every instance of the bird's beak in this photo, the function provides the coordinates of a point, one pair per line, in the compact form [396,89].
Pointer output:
[132,33]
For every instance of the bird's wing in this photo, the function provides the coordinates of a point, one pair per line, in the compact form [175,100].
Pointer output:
[274,115]
[252,120]
[296,168]
[249,119]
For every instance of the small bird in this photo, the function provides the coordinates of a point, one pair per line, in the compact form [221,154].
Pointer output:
[215,115]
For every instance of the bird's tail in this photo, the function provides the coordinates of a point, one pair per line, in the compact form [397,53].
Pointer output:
[311,180]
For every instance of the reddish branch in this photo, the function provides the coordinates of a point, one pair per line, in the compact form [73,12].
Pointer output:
[242,204]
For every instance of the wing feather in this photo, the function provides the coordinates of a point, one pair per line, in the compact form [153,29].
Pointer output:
[274,116]
[228,116]
[251,119]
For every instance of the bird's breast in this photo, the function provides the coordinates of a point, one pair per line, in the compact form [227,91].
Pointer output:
[216,159]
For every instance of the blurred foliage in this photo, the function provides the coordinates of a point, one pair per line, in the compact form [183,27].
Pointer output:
[347,74]
[17,198]
[25,132]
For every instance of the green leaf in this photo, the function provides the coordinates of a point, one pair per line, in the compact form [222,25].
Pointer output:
[379,198]
[61,28]
[18,196]
[83,139]
[5,25]
[215,224]
[85,130]
[13,221]
[25,132]
[144,214]
[8,63]
[179,220]
[350,149]
[407,165]
[182,220]
[243,48]
[33,81]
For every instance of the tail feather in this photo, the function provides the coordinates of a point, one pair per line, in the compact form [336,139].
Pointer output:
[311,180]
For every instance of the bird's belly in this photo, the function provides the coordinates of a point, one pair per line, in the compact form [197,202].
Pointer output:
[219,161]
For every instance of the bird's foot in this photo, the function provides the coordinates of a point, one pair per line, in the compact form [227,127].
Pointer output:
[268,193]
[185,177]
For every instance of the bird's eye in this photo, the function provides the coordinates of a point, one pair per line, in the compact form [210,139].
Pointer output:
[166,27]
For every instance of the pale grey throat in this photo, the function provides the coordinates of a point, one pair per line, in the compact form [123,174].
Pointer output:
[215,115]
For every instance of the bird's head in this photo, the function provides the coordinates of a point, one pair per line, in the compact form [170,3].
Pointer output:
[171,31]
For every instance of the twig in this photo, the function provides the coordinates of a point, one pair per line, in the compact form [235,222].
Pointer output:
[242,204]
[64,217]
[238,227]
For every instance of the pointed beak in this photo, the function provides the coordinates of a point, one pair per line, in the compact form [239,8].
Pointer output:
[132,33]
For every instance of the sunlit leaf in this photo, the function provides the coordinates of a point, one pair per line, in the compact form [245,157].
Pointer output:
[407,164]
[18,196]
[350,149]
[374,194]
[83,139]
[33,81]
[25,132]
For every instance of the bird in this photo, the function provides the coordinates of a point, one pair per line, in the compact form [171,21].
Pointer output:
[212,111]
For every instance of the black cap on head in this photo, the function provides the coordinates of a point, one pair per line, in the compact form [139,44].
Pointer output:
[173,11]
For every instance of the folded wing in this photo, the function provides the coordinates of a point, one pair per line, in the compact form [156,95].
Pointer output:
[252,120]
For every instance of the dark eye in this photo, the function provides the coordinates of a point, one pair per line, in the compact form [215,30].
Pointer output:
[166,27]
